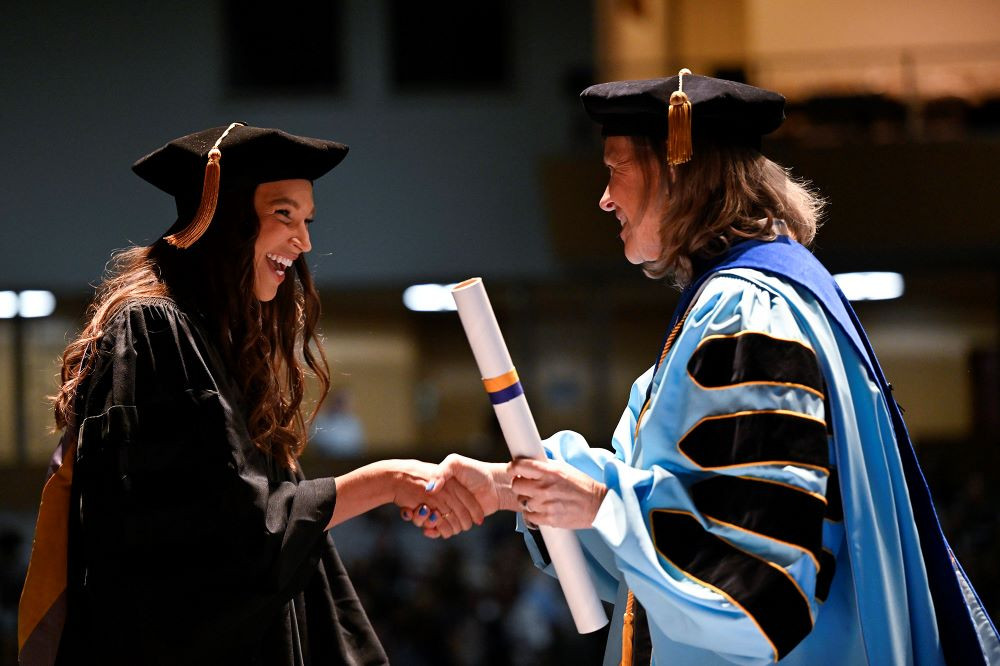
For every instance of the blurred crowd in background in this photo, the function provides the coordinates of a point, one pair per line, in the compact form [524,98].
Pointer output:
[477,598]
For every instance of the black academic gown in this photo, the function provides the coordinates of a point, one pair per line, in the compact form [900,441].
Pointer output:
[187,544]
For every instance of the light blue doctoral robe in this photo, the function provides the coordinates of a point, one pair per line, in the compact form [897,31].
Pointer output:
[721,584]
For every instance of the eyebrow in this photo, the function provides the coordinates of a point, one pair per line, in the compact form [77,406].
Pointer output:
[615,158]
[289,202]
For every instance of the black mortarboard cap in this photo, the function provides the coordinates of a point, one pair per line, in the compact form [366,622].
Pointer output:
[716,109]
[197,167]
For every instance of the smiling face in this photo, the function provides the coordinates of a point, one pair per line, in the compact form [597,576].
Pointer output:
[285,209]
[629,195]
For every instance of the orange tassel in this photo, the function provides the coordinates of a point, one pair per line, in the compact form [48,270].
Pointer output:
[679,148]
[206,209]
[627,630]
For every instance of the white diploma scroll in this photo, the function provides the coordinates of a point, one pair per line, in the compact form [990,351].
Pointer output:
[522,437]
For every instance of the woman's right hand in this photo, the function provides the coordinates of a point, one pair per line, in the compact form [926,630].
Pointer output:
[488,483]
[407,483]
[441,512]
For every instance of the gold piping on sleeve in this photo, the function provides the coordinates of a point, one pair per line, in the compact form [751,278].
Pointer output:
[802,387]
[738,334]
[765,536]
[710,338]
[762,463]
[821,498]
[715,589]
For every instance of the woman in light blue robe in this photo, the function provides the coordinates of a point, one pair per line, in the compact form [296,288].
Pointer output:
[738,467]
[762,502]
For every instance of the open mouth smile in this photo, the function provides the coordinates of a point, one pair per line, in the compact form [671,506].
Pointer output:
[278,264]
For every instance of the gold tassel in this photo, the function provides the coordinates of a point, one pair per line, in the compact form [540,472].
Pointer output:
[679,148]
[206,209]
[209,198]
[627,630]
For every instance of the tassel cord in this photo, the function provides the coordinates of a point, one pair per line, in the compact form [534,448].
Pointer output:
[209,198]
[679,141]
[206,208]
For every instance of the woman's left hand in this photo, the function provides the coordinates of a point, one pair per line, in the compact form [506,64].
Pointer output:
[554,493]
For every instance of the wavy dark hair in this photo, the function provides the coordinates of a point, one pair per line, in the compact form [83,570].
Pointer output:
[268,347]
[725,194]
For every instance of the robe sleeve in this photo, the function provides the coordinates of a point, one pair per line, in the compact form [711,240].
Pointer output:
[189,540]
[715,511]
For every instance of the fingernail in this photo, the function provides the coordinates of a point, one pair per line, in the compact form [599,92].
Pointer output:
[406,514]
[423,511]
[433,517]
[430,485]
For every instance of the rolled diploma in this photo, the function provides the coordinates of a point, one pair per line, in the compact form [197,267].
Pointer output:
[522,437]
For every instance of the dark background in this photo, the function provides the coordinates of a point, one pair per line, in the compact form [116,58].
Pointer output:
[470,155]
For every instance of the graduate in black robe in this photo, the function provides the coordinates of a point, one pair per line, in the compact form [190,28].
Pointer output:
[177,527]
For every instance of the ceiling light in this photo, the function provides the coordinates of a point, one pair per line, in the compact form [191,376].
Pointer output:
[8,304]
[870,286]
[429,298]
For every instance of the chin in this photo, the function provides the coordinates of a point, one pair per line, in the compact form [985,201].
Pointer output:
[264,295]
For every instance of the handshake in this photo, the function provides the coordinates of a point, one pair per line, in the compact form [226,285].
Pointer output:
[446,499]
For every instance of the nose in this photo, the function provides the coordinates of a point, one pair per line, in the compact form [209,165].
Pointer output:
[606,203]
[301,239]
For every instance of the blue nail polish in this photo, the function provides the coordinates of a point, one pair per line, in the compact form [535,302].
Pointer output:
[423,511]
[430,485]
[433,517]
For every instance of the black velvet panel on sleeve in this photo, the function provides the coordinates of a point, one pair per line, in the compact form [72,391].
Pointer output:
[757,438]
[764,591]
[773,510]
[728,360]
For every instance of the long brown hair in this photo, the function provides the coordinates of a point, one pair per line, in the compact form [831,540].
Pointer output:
[260,343]
[725,194]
